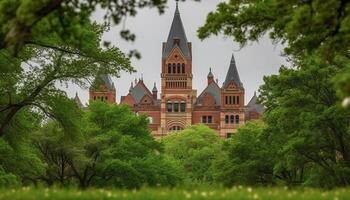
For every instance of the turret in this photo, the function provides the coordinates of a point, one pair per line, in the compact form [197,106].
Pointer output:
[210,77]
[155,91]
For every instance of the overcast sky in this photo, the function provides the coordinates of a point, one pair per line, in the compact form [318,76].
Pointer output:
[253,61]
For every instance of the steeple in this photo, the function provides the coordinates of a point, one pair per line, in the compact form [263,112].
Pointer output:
[177,36]
[155,91]
[131,87]
[232,74]
[210,77]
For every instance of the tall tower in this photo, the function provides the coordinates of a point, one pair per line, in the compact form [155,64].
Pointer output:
[177,96]
[232,102]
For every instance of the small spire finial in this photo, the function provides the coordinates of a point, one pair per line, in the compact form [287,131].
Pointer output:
[76,93]
[210,69]
[177,7]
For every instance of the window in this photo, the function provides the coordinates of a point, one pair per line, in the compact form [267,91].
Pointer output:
[229,135]
[94,97]
[169,68]
[169,106]
[232,119]
[174,68]
[106,98]
[237,119]
[183,68]
[176,106]
[175,128]
[210,119]
[226,99]
[204,119]
[230,99]
[178,68]
[237,101]
[234,100]
[183,106]
[226,119]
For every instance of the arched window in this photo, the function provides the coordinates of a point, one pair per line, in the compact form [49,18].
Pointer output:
[237,119]
[232,119]
[169,68]
[174,68]
[226,119]
[169,106]
[183,106]
[237,101]
[183,68]
[234,100]
[176,106]
[178,68]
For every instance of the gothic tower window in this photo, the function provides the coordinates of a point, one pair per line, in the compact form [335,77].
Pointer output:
[169,68]
[183,68]
[178,68]
[169,106]
[237,101]
[234,100]
[183,106]
[226,119]
[237,119]
[232,119]
[176,106]
[174,68]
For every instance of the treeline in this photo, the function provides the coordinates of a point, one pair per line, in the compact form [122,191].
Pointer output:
[112,147]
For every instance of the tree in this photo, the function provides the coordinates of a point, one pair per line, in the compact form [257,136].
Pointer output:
[26,22]
[194,149]
[304,114]
[246,158]
[115,149]
[35,87]
[307,28]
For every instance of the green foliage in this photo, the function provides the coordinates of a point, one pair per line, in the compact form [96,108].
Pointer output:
[7,180]
[306,126]
[194,149]
[115,149]
[246,158]
[307,28]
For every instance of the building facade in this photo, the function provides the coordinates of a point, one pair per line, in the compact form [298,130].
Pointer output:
[178,106]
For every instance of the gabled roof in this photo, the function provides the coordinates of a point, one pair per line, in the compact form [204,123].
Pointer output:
[139,91]
[103,79]
[176,31]
[232,74]
[214,90]
[253,105]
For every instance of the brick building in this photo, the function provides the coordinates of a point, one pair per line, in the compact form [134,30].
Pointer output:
[220,108]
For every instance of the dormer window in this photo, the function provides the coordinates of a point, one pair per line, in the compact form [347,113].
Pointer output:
[177,41]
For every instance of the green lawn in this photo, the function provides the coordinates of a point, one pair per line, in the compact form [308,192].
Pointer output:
[238,193]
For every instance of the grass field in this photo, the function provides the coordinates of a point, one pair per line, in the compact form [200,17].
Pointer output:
[236,193]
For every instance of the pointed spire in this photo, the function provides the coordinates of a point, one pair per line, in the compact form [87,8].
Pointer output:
[210,74]
[177,33]
[131,87]
[232,74]
[154,88]
[177,12]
